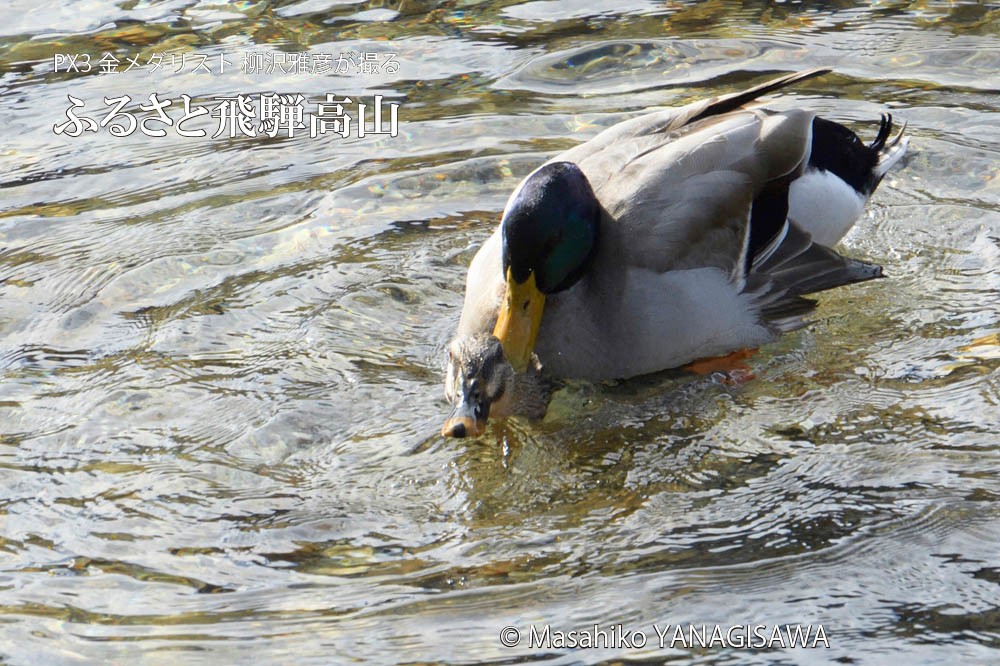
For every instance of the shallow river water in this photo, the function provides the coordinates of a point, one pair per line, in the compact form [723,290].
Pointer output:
[222,358]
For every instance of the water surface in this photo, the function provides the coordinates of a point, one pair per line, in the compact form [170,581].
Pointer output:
[222,359]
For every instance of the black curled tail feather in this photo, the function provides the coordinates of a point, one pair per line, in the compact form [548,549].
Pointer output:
[838,150]
[884,131]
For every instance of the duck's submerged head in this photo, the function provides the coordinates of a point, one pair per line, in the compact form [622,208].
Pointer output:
[481,383]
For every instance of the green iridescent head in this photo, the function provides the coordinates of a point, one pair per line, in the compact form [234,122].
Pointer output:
[551,227]
[549,234]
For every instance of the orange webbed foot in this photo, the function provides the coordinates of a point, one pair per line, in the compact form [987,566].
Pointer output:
[728,369]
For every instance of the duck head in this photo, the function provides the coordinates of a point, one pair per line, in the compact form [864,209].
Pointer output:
[549,232]
[549,235]
[481,383]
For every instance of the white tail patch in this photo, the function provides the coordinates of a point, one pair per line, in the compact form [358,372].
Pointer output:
[822,204]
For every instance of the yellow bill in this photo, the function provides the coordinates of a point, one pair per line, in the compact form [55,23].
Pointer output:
[517,324]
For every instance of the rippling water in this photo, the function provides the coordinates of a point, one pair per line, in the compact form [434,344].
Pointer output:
[222,358]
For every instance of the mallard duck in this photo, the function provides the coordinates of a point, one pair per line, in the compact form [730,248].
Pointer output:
[678,235]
